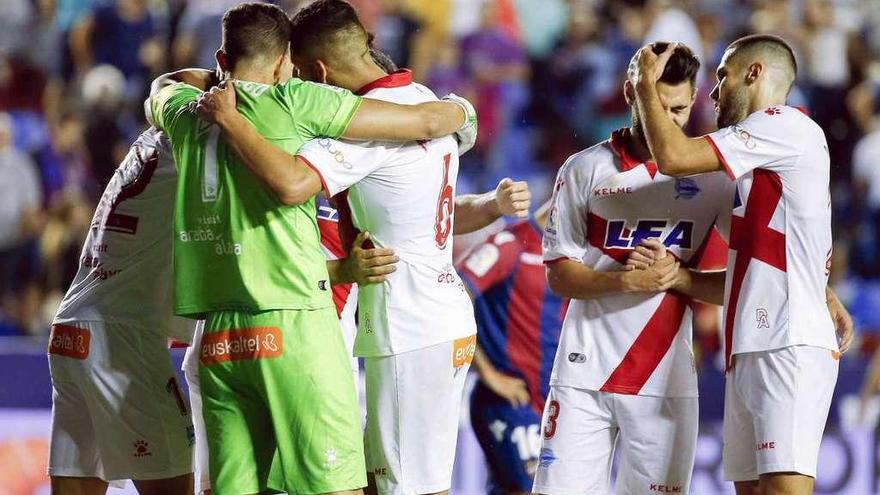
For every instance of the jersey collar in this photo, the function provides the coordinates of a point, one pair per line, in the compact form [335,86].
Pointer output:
[396,79]
[627,161]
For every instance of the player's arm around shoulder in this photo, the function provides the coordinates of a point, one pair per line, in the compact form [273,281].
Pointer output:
[287,176]
[382,120]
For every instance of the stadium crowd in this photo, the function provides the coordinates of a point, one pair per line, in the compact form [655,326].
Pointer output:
[545,75]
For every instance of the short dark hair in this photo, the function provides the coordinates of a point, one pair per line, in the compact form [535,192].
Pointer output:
[682,65]
[327,28]
[253,30]
[769,44]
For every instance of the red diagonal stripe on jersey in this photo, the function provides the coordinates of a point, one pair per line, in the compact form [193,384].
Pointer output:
[597,230]
[752,238]
[649,347]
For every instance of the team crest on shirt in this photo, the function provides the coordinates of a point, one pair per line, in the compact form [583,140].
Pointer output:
[761,318]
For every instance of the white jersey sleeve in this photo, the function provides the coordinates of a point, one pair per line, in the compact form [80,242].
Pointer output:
[757,143]
[342,164]
[565,235]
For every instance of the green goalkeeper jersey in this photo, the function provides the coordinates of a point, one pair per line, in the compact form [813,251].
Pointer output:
[236,247]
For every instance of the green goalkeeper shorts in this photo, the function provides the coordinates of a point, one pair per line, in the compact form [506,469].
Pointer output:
[278,396]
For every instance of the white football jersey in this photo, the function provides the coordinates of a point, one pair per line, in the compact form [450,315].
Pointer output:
[780,233]
[403,194]
[604,203]
[125,267]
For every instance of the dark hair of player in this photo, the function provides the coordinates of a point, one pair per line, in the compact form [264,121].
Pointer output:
[329,30]
[254,30]
[682,66]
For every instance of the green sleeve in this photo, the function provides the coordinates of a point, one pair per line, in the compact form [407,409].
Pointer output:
[167,105]
[319,109]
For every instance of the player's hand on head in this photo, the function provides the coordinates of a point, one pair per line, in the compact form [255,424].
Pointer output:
[510,388]
[370,265]
[218,103]
[513,198]
[650,65]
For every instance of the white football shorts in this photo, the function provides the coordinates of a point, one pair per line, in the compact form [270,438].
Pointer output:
[775,407]
[413,409]
[117,410]
[656,437]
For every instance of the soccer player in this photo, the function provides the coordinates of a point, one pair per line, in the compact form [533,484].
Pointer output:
[518,319]
[117,410]
[251,265]
[781,349]
[624,376]
[416,330]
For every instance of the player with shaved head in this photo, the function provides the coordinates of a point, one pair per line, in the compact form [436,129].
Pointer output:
[781,349]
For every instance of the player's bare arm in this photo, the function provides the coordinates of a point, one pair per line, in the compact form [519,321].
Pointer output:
[475,211]
[199,78]
[287,176]
[511,388]
[843,322]
[363,266]
[572,279]
[706,286]
[291,178]
[675,153]
[382,120]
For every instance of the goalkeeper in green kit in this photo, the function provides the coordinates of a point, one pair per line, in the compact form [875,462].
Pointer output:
[276,382]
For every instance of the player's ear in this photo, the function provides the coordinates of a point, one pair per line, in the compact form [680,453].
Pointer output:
[222,61]
[754,72]
[629,92]
[321,71]
[279,67]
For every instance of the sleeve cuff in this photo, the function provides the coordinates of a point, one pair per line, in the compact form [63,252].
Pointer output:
[721,157]
[343,118]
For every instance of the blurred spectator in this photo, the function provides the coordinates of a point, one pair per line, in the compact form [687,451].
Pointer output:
[21,85]
[396,30]
[20,221]
[497,65]
[103,92]
[864,260]
[542,23]
[667,22]
[447,74]
[583,73]
[14,25]
[122,33]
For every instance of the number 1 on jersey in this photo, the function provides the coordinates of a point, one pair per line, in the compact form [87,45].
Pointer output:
[209,175]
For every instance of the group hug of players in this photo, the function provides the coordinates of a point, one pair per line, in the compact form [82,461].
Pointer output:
[585,342]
